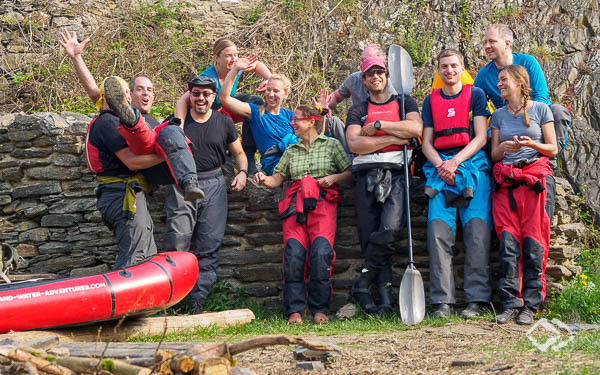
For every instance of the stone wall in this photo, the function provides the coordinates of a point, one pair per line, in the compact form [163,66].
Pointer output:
[48,212]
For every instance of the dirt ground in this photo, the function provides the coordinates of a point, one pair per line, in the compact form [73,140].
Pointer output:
[478,347]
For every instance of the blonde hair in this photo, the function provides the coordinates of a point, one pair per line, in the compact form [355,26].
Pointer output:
[287,84]
[503,30]
[521,77]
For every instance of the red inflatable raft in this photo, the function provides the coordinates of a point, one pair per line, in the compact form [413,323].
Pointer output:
[160,282]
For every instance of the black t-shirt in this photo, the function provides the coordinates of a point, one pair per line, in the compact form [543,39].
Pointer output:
[210,139]
[151,121]
[357,114]
[103,141]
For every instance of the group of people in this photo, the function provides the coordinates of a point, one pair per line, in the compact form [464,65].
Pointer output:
[509,188]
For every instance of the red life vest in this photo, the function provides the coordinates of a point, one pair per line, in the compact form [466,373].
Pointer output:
[451,119]
[389,111]
[92,156]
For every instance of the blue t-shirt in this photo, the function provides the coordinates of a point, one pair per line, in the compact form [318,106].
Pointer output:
[487,79]
[212,72]
[269,129]
[478,105]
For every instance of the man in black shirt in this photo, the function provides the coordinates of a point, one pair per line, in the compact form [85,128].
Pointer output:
[200,225]
[376,133]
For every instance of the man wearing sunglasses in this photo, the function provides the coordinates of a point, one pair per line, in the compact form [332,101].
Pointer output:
[199,226]
[376,134]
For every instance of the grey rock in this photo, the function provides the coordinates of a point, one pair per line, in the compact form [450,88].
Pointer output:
[12,174]
[55,248]
[66,160]
[61,220]
[5,199]
[37,235]
[29,153]
[53,173]
[259,273]
[77,272]
[310,365]
[35,190]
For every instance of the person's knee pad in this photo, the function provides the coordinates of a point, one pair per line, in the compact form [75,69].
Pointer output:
[321,258]
[510,252]
[294,260]
[533,258]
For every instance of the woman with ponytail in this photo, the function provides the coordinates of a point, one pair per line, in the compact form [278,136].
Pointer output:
[523,139]
[316,164]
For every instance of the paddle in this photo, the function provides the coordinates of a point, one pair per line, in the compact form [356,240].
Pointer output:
[412,293]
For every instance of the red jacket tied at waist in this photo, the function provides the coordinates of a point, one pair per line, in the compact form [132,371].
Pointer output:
[507,174]
[307,192]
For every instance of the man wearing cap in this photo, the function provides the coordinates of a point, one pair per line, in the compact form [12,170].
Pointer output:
[376,134]
[200,225]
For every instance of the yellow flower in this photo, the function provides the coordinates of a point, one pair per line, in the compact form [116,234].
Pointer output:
[583,282]
[594,312]
[583,276]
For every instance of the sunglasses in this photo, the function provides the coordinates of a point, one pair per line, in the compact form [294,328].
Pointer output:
[372,72]
[197,94]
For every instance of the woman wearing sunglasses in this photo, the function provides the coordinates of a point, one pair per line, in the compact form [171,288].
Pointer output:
[270,123]
[316,164]
[523,139]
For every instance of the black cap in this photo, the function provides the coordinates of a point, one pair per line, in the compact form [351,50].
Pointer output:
[203,81]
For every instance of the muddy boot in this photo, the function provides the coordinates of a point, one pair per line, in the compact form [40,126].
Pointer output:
[360,292]
[191,190]
[117,101]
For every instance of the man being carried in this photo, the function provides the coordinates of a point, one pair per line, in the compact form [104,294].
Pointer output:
[458,182]
[148,136]
[376,134]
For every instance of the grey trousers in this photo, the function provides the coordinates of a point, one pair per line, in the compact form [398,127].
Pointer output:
[335,127]
[198,226]
[134,237]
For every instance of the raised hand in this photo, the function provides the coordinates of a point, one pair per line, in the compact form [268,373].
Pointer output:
[70,44]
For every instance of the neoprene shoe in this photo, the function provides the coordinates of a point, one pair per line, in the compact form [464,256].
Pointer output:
[117,101]
[506,316]
[191,190]
[443,310]
[525,317]
[473,309]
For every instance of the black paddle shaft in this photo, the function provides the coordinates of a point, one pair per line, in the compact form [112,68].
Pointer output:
[406,192]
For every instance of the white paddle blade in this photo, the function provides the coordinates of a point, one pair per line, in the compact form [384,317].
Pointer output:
[401,69]
[412,297]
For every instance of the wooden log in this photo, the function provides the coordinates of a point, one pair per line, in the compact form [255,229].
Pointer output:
[23,368]
[115,366]
[181,363]
[212,366]
[162,361]
[111,331]
[41,364]
[268,340]
[124,350]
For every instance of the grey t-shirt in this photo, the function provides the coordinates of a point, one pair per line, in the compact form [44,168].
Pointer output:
[509,126]
[353,86]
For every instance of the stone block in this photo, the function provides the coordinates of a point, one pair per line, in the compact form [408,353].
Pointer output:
[71,148]
[27,250]
[6,148]
[32,209]
[258,273]
[37,235]
[5,199]
[61,220]
[305,354]
[54,173]
[6,225]
[89,271]
[245,217]
[558,271]
[66,160]
[73,205]
[341,266]
[56,264]
[8,164]
[17,135]
[30,153]
[310,365]
[235,229]
[344,252]
[5,188]
[260,239]
[14,174]
[35,190]
[563,252]
[23,144]
[34,163]
[265,227]
[231,257]
[230,242]
[43,141]
[55,247]
[262,290]
[25,225]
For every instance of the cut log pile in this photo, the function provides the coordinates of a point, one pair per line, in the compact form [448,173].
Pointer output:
[50,356]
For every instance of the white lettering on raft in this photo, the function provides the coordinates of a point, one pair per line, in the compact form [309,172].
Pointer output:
[52,292]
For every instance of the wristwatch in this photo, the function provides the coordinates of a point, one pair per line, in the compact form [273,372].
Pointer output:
[377,125]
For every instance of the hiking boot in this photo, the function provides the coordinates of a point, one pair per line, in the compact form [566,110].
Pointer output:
[443,310]
[525,317]
[191,190]
[195,307]
[473,309]
[361,294]
[117,101]
[506,316]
